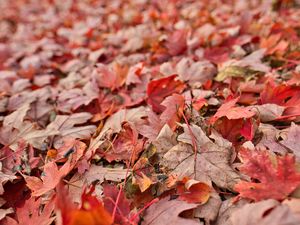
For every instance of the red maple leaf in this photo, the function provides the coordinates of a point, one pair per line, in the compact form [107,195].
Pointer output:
[158,90]
[115,196]
[275,181]
[229,110]
[174,109]
[232,130]
[283,95]
[126,146]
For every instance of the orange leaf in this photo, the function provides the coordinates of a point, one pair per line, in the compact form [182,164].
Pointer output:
[193,191]
[91,212]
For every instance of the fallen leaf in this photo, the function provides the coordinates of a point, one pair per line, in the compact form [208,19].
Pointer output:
[169,210]
[174,106]
[213,160]
[158,90]
[268,112]
[30,213]
[269,139]
[4,212]
[228,207]
[193,191]
[290,138]
[265,212]
[65,125]
[111,194]
[49,180]
[126,146]
[101,173]
[232,71]
[275,181]
[209,211]
[229,110]
[3,179]
[176,43]
[91,210]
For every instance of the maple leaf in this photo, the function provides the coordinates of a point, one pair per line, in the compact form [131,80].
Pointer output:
[193,191]
[72,99]
[275,182]
[174,106]
[152,129]
[229,110]
[232,130]
[91,210]
[283,95]
[50,179]
[114,124]
[264,213]
[269,139]
[273,44]
[176,43]
[143,172]
[290,140]
[158,90]
[216,54]
[195,72]
[212,161]
[108,77]
[112,193]
[16,118]
[65,125]
[22,159]
[126,146]
[28,132]
[268,112]
[30,213]
[169,210]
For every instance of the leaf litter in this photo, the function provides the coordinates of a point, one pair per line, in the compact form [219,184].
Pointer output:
[149,112]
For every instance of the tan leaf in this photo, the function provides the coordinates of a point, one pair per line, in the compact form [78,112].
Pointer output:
[214,160]
[167,211]
[264,213]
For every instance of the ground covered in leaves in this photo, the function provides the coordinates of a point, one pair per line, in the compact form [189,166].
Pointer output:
[149,112]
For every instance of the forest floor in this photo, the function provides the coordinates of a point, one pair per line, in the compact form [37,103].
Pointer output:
[149,112]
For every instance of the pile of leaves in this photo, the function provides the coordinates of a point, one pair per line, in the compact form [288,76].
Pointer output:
[149,112]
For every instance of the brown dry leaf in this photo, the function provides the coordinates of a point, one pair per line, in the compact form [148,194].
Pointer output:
[269,139]
[95,174]
[293,204]
[114,124]
[227,208]
[165,140]
[291,139]
[209,211]
[103,173]
[264,213]
[27,132]
[16,118]
[213,161]
[176,155]
[167,211]
[268,112]
[65,125]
